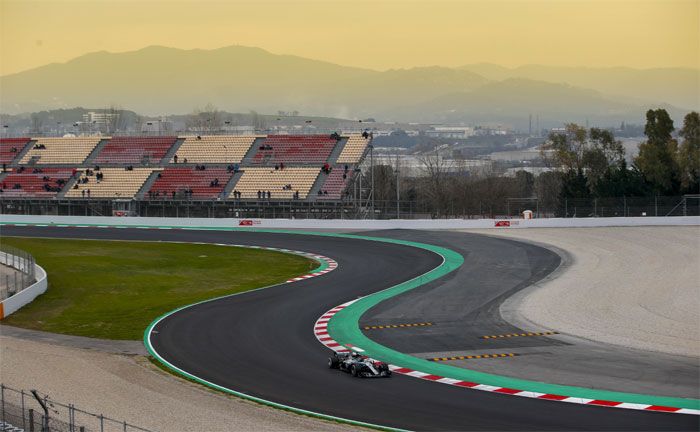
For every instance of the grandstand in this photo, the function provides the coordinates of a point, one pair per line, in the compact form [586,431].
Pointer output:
[135,150]
[335,183]
[184,180]
[295,149]
[10,148]
[59,151]
[354,149]
[35,182]
[116,183]
[119,161]
[275,181]
[214,149]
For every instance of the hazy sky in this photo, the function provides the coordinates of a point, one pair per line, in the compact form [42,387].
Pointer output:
[373,34]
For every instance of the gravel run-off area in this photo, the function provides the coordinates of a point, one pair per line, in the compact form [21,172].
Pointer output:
[637,287]
[130,388]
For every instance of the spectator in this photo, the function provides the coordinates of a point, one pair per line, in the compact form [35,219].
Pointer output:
[4,167]
[277,167]
[269,195]
[88,193]
[175,158]
[173,194]
[259,194]
[13,150]
[97,167]
[83,193]
[184,160]
[281,165]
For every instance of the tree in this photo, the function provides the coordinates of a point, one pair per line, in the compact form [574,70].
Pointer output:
[657,156]
[258,121]
[602,156]
[435,188]
[525,182]
[689,154]
[567,149]
[208,119]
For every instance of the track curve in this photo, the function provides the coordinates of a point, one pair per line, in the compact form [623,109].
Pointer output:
[261,343]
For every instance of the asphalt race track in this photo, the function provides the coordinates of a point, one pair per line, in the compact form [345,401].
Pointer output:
[261,343]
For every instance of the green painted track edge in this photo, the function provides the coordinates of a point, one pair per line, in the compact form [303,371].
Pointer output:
[345,329]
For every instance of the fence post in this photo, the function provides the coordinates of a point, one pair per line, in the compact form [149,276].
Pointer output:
[2,399]
[31,420]
[124,425]
[24,421]
[656,205]
[102,423]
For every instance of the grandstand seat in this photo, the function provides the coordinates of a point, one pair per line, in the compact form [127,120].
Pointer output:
[266,179]
[353,150]
[135,150]
[199,182]
[10,148]
[116,183]
[295,149]
[60,151]
[44,183]
[220,149]
[334,183]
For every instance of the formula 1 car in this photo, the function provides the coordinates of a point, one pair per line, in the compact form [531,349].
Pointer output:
[358,365]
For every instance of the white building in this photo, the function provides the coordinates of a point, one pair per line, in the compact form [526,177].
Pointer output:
[453,132]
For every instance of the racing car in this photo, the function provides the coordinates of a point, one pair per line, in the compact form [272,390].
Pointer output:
[358,365]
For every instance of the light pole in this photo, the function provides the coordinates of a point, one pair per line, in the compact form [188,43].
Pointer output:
[371,164]
[398,196]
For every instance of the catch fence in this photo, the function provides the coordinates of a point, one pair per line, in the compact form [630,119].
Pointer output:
[30,411]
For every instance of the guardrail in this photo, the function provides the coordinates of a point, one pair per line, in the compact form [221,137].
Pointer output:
[18,270]
[22,280]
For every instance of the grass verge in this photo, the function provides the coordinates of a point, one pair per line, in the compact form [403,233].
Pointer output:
[114,289]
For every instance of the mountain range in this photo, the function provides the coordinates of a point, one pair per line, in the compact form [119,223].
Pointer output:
[160,80]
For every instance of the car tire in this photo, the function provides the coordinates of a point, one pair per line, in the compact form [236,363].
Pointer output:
[353,371]
[332,362]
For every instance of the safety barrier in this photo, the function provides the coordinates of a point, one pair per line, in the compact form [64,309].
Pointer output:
[361,224]
[25,296]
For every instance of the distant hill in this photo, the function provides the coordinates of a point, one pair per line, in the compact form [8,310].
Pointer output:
[675,86]
[159,80]
[512,100]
